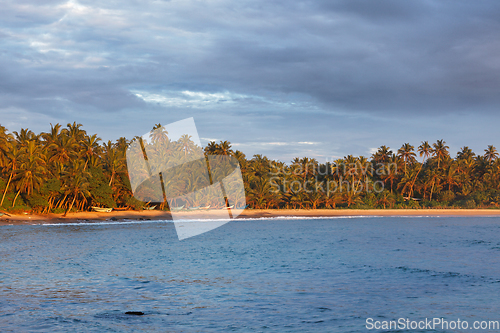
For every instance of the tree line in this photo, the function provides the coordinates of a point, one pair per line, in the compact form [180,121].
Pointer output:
[67,169]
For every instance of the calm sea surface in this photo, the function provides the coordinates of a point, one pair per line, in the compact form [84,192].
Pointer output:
[267,275]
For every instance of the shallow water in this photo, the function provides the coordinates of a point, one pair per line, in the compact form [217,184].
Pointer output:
[265,275]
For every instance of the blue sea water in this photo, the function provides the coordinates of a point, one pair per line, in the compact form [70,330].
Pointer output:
[264,275]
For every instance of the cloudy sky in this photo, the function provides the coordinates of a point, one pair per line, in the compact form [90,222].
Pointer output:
[282,78]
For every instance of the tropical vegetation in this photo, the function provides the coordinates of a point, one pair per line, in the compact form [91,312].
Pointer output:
[67,169]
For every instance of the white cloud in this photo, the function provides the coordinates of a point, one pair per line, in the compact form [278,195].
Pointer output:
[186,98]
[275,143]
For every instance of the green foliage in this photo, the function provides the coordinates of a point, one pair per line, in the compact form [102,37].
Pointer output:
[37,202]
[51,187]
[467,203]
[101,192]
[446,197]
[133,203]
[102,195]
[412,204]
[431,204]
[361,205]
[480,197]
[68,169]
[370,200]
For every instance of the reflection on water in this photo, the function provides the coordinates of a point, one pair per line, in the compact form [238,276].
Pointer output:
[261,275]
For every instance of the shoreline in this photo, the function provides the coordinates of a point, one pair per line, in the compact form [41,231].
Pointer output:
[247,213]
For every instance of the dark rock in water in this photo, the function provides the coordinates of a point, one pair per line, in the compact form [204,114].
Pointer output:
[134,313]
[113,219]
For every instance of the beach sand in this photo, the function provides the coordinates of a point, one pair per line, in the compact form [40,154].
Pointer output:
[248,213]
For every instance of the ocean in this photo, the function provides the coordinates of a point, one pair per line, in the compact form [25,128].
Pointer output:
[254,275]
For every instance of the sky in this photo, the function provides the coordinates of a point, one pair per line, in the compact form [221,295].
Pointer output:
[285,79]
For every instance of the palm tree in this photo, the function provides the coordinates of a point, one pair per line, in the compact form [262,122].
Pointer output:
[122,144]
[407,182]
[76,184]
[382,155]
[440,150]
[225,148]
[490,153]
[62,151]
[159,135]
[365,168]
[332,198]
[5,145]
[451,176]
[90,150]
[30,174]
[187,145]
[433,178]
[406,152]
[261,193]
[24,136]
[385,199]
[481,166]
[241,159]
[53,136]
[115,161]
[389,174]
[424,150]
[304,167]
[13,156]
[465,153]
[211,148]
[351,198]
[74,132]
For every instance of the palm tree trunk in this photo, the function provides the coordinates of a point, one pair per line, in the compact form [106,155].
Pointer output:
[14,203]
[70,206]
[51,203]
[432,189]
[62,201]
[416,176]
[112,176]
[6,188]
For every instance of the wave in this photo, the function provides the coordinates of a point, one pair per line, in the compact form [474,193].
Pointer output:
[125,221]
[264,218]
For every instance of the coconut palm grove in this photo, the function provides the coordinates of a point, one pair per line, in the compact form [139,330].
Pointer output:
[66,169]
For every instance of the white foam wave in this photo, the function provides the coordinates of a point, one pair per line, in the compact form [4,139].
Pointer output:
[271,218]
[119,222]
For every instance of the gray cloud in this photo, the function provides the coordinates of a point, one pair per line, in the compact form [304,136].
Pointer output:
[300,63]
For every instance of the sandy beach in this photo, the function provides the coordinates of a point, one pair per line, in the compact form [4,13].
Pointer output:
[248,213]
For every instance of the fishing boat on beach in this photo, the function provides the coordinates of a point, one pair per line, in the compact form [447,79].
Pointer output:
[102,209]
[176,209]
